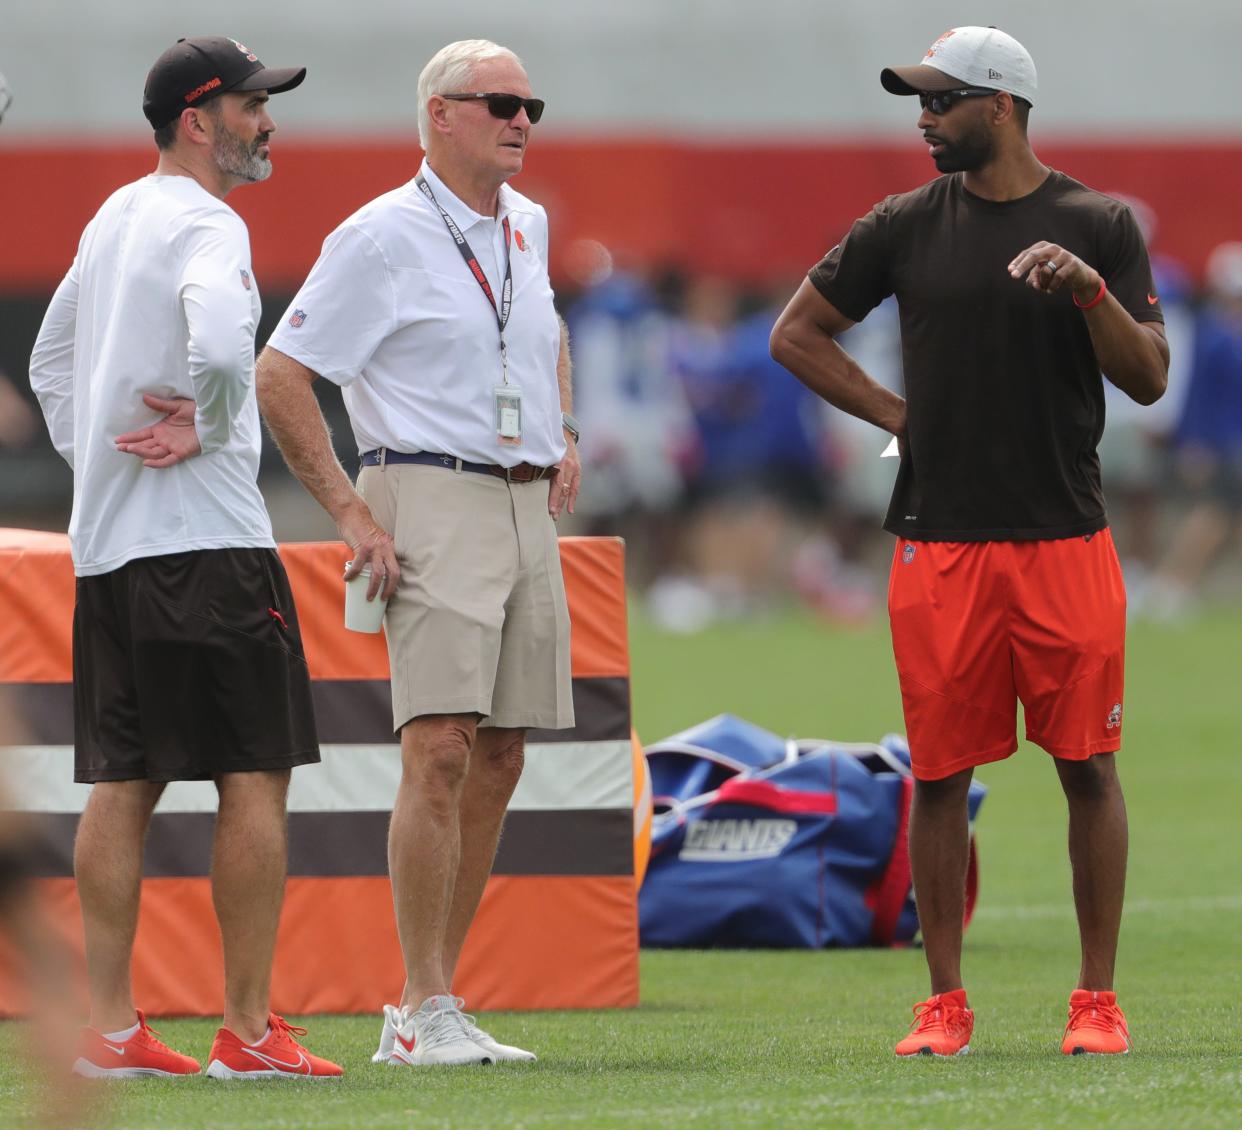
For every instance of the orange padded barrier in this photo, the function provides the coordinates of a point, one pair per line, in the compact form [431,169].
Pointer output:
[558,924]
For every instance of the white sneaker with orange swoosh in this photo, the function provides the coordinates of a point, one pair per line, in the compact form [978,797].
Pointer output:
[277,1056]
[437,1033]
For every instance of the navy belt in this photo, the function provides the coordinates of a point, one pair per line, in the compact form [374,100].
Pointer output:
[522,473]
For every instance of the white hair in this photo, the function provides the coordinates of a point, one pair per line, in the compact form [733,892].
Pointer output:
[449,72]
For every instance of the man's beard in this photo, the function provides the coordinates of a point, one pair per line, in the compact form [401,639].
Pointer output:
[968,153]
[233,156]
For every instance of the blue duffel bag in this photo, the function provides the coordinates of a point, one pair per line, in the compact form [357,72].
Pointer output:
[700,759]
[793,844]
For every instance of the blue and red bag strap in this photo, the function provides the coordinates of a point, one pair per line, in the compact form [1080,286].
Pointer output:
[890,893]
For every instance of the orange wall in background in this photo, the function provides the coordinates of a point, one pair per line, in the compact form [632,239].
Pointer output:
[759,212]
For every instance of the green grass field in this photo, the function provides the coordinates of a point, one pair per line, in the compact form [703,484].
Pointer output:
[746,1039]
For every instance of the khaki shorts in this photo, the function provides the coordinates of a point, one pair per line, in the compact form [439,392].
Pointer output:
[479,623]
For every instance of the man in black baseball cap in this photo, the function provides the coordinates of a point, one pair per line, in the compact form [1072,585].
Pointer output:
[156,319]
[193,71]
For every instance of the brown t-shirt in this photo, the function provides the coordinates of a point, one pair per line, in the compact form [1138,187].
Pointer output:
[1004,393]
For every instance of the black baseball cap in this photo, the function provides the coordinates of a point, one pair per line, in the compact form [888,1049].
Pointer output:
[193,71]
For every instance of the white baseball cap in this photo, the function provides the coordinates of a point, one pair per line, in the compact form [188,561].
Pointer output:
[968,56]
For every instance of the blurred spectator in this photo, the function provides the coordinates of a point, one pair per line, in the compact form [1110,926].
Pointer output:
[1134,448]
[761,482]
[866,479]
[19,422]
[1208,442]
[635,419]
[37,955]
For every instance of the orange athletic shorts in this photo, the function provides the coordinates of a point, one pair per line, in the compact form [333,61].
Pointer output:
[978,626]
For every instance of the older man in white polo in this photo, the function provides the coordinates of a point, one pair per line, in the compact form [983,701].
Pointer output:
[431,308]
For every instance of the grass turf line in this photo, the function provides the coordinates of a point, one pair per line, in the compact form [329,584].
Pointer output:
[792,1039]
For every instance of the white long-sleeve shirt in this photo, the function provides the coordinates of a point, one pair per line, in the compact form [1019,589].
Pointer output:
[160,299]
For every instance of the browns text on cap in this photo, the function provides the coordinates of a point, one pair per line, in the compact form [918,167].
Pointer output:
[193,71]
[968,56]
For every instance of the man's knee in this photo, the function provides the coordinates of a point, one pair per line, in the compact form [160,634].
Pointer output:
[264,789]
[501,756]
[946,792]
[124,802]
[435,749]
[1090,779]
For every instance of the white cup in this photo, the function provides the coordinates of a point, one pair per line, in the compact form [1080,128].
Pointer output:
[362,615]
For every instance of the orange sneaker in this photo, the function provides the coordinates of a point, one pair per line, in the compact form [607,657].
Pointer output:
[942,1026]
[277,1056]
[142,1054]
[1096,1025]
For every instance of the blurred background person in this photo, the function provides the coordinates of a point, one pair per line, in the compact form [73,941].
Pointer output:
[866,479]
[19,423]
[842,574]
[637,417]
[757,516]
[39,955]
[1134,450]
[1208,444]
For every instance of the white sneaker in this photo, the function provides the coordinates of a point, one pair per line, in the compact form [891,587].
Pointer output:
[498,1051]
[436,1033]
[388,1036]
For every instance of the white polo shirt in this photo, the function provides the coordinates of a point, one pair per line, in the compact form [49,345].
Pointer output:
[160,299]
[392,314]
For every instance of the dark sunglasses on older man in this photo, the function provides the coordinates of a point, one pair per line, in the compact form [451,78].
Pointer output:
[504,106]
[942,101]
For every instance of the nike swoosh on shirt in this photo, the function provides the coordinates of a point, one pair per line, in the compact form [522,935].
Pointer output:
[281,1065]
[1152,299]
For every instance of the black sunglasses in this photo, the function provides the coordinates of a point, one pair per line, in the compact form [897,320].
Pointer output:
[504,106]
[942,101]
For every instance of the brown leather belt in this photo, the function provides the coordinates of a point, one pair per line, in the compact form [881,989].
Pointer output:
[522,473]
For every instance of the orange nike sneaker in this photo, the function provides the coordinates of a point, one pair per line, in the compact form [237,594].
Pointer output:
[141,1054]
[942,1026]
[1096,1025]
[277,1056]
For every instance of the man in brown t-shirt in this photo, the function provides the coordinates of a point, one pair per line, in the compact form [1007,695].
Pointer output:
[1016,286]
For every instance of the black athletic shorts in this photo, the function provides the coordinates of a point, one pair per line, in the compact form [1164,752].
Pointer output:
[189,665]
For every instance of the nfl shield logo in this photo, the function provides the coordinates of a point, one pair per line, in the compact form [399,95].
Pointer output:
[297,318]
[245,277]
[907,554]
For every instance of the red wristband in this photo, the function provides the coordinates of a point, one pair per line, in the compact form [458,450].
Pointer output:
[1099,297]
